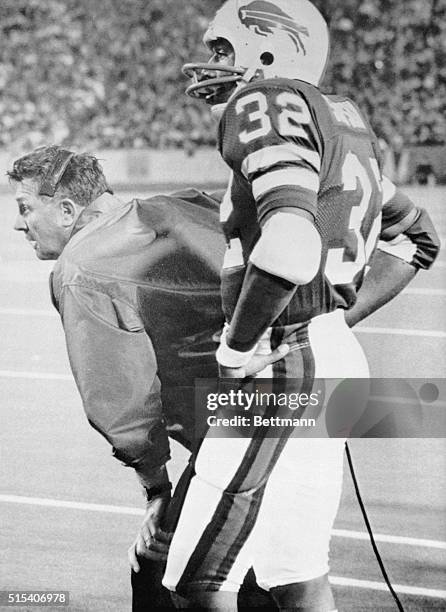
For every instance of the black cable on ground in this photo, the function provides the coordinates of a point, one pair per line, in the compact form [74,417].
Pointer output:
[370,532]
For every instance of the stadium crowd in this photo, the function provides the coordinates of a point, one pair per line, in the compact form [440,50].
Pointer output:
[107,74]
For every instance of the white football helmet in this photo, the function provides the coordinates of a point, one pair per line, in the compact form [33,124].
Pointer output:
[276,38]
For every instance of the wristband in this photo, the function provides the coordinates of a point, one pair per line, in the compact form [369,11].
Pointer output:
[158,490]
[231,358]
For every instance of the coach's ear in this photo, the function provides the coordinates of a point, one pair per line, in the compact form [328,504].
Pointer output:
[70,211]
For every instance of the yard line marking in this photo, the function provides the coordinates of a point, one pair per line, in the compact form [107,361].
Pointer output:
[59,503]
[380,586]
[379,537]
[422,291]
[34,375]
[113,509]
[28,312]
[427,333]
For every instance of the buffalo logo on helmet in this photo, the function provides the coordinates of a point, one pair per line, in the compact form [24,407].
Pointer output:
[264,17]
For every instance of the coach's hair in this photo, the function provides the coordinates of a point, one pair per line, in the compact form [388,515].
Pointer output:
[83,179]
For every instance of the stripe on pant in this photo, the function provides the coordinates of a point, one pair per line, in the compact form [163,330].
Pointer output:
[220,518]
[305,356]
[260,458]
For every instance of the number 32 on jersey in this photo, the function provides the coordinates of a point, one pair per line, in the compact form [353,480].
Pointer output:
[343,263]
[293,113]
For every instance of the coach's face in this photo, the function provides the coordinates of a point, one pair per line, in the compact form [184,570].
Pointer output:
[46,222]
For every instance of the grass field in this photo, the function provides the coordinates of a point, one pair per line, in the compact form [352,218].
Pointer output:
[68,510]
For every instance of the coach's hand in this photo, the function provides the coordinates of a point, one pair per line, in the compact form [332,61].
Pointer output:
[151,542]
[258,362]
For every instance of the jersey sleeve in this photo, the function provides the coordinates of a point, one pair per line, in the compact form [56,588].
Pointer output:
[407,232]
[115,369]
[270,138]
[398,211]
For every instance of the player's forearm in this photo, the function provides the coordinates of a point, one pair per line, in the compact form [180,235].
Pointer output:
[386,278]
[424,236]
[263,299]
[397,260]
[286,255]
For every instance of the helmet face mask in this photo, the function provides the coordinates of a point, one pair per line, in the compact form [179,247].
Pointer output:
[269,39]
[208,86]
[215,81]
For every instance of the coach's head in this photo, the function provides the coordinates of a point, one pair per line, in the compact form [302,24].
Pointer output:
[52,188]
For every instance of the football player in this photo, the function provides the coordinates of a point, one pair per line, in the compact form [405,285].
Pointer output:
[304,210]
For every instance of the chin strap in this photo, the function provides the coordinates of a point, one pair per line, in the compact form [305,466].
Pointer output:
[217,110]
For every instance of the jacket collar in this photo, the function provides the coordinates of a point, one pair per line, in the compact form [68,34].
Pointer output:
[104,204]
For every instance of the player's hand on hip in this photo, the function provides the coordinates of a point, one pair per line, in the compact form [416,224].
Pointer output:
[151,542]
[256,364]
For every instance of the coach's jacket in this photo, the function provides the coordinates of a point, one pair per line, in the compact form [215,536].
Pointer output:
[137,288]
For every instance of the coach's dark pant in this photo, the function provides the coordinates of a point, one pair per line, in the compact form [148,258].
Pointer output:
[149,595]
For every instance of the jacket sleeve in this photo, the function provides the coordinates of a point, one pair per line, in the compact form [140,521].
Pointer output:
[115,369]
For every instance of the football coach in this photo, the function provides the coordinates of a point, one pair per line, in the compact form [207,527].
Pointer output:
[137,287]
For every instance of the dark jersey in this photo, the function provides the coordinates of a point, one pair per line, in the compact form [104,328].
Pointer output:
[290,146]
